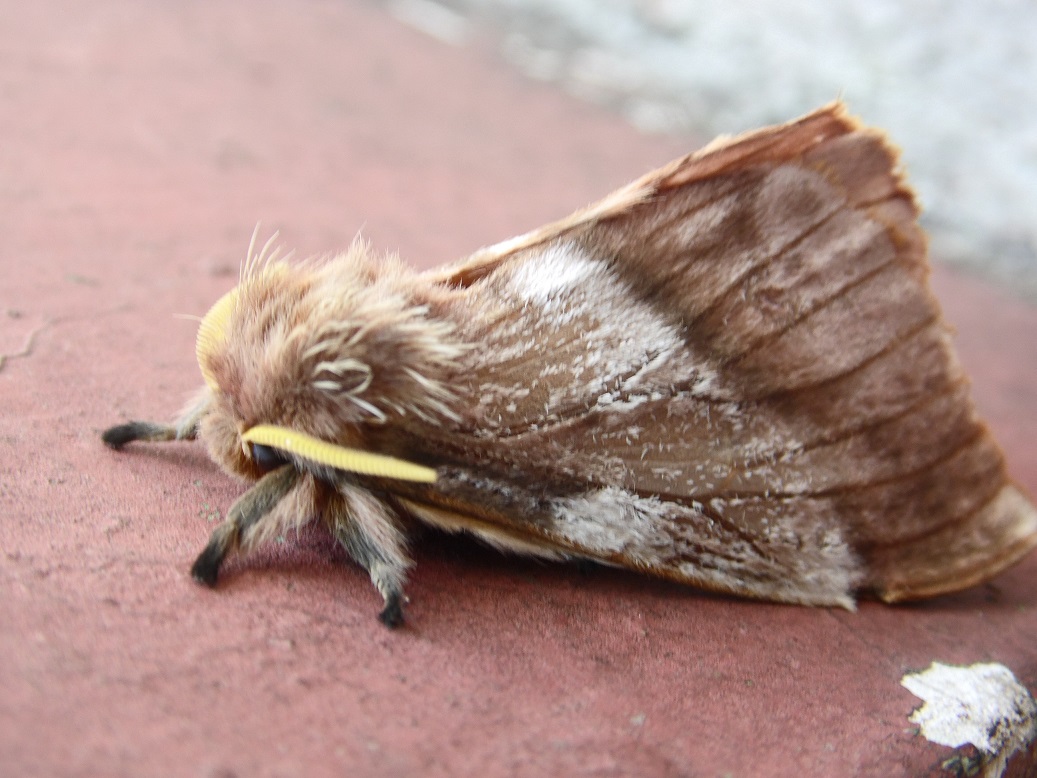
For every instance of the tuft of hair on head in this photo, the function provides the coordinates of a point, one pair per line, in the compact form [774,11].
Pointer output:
[324,344]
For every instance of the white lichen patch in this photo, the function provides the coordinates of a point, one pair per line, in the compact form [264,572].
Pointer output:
[982,704]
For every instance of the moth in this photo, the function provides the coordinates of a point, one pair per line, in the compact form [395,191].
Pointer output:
[729,373]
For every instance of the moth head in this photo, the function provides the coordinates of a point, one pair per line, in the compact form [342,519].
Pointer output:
[304,361]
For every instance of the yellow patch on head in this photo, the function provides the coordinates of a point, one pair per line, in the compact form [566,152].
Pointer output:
[212,332]
[350,460]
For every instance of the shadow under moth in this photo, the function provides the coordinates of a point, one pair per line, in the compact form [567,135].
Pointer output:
[730,373]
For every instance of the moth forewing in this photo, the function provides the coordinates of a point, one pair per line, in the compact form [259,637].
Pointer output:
[730,372]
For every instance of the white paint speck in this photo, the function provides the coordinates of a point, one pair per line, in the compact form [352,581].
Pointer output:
[982,704]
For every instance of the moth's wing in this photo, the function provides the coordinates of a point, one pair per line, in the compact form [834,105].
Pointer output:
[731,372]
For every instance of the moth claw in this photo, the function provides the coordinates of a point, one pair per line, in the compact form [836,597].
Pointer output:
[118,436]
[392,614]
[206,567]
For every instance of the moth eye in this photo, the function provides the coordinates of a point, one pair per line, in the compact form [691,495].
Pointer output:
[267,458]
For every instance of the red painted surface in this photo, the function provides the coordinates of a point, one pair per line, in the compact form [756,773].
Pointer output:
[139,146]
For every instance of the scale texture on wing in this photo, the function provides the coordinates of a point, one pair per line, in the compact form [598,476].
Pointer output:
[731,372]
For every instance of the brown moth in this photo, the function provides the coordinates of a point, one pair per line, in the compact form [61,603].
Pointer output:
[729,373]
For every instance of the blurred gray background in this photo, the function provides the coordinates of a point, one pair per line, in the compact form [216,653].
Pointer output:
[954,83]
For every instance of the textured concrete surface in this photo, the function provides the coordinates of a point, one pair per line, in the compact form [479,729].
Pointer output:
[139,146]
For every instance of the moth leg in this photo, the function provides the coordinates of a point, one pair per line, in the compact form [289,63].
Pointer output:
[252,506]
[387,577]
[367,529]
[184,428]
[118,436]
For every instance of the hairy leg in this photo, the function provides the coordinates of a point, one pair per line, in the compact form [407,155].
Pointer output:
[184,428]
[369,532]
[249,509]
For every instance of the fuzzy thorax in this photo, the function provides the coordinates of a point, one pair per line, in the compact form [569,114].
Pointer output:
[329,348]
